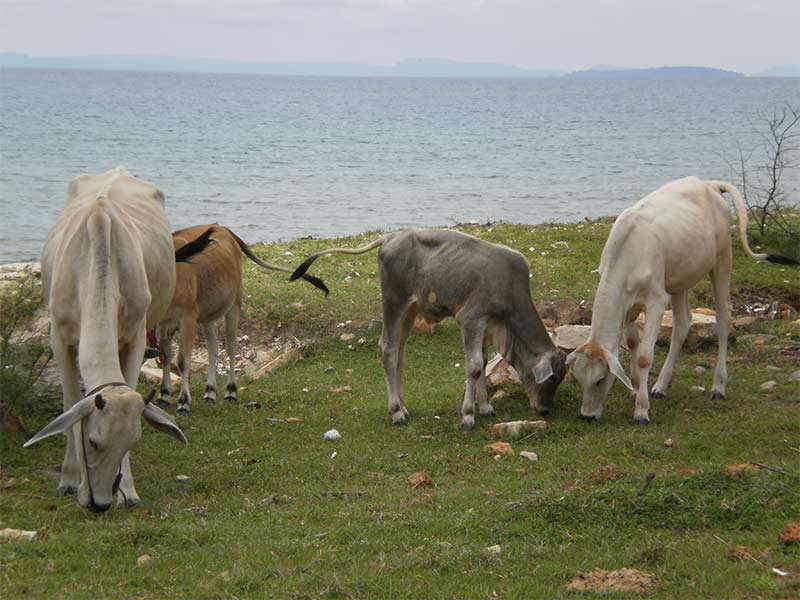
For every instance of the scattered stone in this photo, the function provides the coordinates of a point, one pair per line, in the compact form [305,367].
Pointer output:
[795,376]
[531,456]
[330,370]
[420,479]
[153,374]
[624,580]
[746,323]
[293,420]
[346,337]
[341,388]
[513,430]
[699,369]
[142,560]
[500,448]
[570,337]
[698,388]
[332,435]
[500,371]
[182,478]
[772,368]
[790,534]
[768,385]
[493,550]
[21,534]
[252,404]
[225,576]
[668,443]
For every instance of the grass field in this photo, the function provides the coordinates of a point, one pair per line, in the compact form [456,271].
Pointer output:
[269,511]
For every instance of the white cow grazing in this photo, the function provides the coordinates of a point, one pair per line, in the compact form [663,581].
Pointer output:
[658,249]
[108,273]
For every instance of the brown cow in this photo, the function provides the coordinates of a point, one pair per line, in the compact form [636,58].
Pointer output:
[207,289]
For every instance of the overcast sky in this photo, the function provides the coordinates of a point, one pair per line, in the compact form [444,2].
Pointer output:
[742,35]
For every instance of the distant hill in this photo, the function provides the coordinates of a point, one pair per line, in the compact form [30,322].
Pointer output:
[416,67]
[780,71]
[654,73]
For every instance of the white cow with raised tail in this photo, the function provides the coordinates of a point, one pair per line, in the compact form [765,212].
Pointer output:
[658,249]
[108,273]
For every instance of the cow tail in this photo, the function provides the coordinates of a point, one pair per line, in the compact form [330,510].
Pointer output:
[301,270]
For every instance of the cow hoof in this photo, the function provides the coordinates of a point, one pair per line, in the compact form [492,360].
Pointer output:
[715,395]
[541,410]
[183,410]
[641,420]
[406,414]
[163,403]
[63,491]
[400,422]
[589,418]
[489,413]
[656,395]
[231,399]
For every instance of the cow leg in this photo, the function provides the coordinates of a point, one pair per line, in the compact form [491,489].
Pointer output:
[66,359]
[632,340]
[188,331]
[681,320]
[131,362]
[405,329]
[472,331]
[481,391]
[212,344]
[654,313]
[392,348]
[231,327]
[165,341]
[721,280]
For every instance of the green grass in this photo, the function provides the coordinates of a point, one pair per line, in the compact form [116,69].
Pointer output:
[267,512]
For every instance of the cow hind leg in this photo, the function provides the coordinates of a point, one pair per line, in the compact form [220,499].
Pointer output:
[212,344]
[721,280]
[188,330]
[681,320]
[632,340]
[231,327]
[391,344]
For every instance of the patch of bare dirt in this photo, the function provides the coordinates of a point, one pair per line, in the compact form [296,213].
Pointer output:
[624,580]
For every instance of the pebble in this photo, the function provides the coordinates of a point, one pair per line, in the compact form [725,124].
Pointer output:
[331,435]
[493,550]
[698,388]
[698,369]
[768,385]
[773,368]
[182,478]
[346,337]
[668,443]
[795,376]
[531,456]
[142,560]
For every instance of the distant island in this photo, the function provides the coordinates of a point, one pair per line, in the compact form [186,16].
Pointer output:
[412,67]
[653,73]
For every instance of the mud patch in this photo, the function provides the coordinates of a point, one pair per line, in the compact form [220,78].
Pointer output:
[624,580]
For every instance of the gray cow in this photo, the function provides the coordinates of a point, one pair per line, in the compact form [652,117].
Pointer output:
[441,273]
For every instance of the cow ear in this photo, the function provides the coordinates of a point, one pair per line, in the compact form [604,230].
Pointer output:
[543,370]
[618,371]
[160,420]
[64,421]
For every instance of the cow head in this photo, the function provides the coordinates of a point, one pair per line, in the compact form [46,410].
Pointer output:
[541,375]
[106,426]
[595,369]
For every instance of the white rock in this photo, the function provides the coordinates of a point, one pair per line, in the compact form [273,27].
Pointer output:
[698,369]
[493,550]
[569,337]
[346,337]
[795,376]
[768,385]
[698,388]
[772,368]
[531,456]
[331,435]
[182,478]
